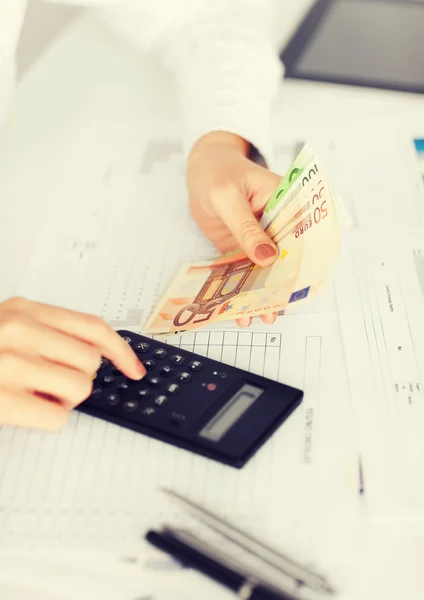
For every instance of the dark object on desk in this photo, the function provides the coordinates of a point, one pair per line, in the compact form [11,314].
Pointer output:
[192,402]
[371,43]
[209,566]
[233,558]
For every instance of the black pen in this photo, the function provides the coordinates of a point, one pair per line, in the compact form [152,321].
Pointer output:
[305,577]
[236,579]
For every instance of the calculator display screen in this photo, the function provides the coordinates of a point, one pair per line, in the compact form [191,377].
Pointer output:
[231,412]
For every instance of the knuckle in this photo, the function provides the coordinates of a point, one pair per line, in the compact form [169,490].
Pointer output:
[249,230]
[93,358]
[97,324]
[15,326]
[83,388]
[222,190]
[9,362]
[17,303]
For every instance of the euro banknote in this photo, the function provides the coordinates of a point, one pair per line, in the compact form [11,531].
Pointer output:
[303,222]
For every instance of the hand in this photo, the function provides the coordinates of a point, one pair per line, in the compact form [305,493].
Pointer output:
[227,195]
[48,358]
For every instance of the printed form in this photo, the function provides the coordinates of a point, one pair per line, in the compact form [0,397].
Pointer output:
[380,296]
[95,484]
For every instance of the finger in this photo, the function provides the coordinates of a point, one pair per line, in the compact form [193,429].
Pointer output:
[91,330]
[27,336]
[270,318]
[269,182]
[238,216]
[22,409]
[33,374]
[244,322]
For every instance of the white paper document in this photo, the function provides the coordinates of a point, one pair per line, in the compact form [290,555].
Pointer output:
[110,247]
[380,296]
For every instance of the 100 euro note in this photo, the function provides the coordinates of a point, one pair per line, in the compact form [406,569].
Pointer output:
[306,232]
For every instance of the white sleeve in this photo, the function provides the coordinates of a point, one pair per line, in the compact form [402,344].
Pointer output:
[12,13]
[223,54]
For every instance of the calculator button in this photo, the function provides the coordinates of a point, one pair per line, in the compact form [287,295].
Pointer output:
[130,405]
[185,377]
[142,347]
[149,364]
[160,353]
[173,389]
[154,381]
[104,363]
[178,418]
[143,394]
[161,400]
[221,375]
[211,387]
[149,411]
[96,392]
[166,371]
[177,359]
[112,399]
[108,380]
[195,365]
[128,340]
[123,387]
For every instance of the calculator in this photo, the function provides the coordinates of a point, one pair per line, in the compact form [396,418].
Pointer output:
[192,402]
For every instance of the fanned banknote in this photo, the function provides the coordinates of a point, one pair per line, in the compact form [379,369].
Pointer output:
[302,220]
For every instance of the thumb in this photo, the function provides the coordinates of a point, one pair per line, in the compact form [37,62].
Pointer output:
[237,214]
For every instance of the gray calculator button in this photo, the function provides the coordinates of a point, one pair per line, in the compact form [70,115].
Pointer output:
[154,381]
[178,418]
[130,405]
[166,371]
[143,394]
[160,353]
[108,380]
[96,392]
[184,377]
[123,387]
[142,347]
[149,411]
[112,399]
[128,340]
[195,365]
[149,364]
[173,389]
[177,359]
[160,400]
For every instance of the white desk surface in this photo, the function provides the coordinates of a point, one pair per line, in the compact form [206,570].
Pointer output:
[87,76]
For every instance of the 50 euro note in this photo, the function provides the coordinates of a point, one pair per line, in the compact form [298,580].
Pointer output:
[297,176]
[307,235]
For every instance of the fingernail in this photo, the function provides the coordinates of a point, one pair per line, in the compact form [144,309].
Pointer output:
[265,251]
[245,322]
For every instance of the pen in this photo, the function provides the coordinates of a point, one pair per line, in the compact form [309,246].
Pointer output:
[228,574]
[301,574]
[361,478]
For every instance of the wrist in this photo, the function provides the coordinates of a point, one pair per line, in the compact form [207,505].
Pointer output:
[222,138]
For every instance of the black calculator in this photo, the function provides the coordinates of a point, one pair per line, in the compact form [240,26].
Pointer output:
[193,402]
